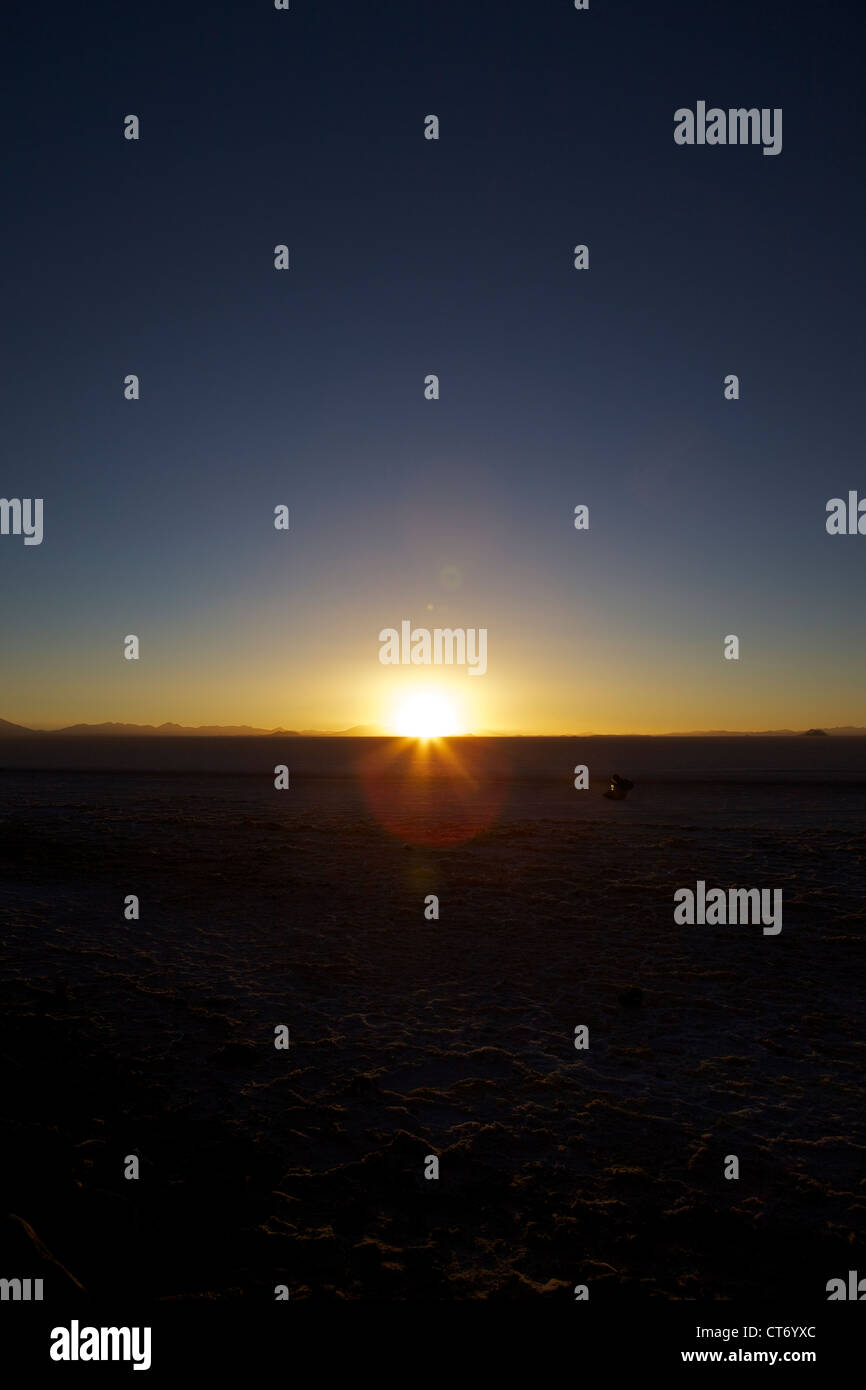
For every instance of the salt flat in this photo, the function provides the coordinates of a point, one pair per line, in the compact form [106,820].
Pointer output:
[411,1037]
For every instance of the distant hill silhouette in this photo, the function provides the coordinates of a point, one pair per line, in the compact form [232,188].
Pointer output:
[841,730]
[8,730]
[109,730]
[166,730]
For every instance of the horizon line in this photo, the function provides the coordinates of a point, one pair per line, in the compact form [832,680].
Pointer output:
[108,729]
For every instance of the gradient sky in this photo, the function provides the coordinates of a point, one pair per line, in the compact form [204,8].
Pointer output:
[409,257]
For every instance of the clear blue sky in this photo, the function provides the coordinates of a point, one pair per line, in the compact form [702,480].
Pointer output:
[408,257]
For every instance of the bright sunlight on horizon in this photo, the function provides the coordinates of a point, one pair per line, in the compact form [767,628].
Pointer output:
[426,715]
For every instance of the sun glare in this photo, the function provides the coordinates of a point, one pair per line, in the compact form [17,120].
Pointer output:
[426,716]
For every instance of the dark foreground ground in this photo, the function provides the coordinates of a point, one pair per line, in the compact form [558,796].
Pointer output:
[412,1037]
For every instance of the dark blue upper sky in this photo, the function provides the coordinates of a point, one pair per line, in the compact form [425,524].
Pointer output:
[409,257]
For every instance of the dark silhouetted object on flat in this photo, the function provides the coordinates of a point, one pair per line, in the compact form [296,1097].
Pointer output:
[619,788]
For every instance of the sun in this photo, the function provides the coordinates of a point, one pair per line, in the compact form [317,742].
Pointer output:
[426,716]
